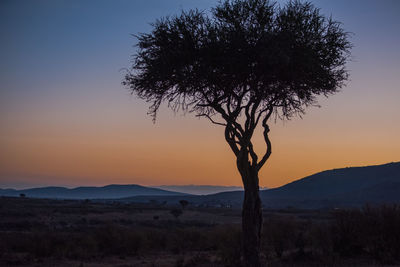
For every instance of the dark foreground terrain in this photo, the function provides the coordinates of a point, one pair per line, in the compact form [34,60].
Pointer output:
[39,232]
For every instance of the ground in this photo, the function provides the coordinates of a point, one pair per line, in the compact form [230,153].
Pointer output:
[40,232]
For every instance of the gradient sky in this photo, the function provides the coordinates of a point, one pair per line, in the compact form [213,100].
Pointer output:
[66,120]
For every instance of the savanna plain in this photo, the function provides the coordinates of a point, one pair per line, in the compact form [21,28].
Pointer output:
[44,232]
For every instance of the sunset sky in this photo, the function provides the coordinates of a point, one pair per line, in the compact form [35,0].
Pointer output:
[65,118]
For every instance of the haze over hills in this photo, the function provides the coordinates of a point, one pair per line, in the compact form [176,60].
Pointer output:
[200,189]
[88,192]
[347,187]
[117,191]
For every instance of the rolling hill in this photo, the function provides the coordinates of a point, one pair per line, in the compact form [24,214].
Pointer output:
[347,187]
[200,189]
[105,192]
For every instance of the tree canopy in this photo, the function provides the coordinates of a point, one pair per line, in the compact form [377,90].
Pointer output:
[244,58]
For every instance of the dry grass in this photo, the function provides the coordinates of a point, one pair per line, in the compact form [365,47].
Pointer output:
[35,232]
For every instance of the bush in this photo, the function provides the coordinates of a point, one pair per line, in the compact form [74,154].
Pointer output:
[279,235]
[229,244]
[374,231]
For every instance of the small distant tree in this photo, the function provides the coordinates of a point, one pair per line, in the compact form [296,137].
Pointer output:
[240,65]
[176,212]
[183,203]
[22,195]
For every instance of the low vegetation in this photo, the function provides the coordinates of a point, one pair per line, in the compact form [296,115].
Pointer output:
[45,231]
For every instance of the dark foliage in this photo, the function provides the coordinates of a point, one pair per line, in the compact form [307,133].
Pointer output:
[248,58]
[176,212]
[373,231]
[281,57]
[183,203]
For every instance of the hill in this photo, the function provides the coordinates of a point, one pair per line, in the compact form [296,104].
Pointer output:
[346,187]
[105,192]
[200,189]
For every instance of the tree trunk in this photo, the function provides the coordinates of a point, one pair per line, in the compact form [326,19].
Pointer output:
[251,217]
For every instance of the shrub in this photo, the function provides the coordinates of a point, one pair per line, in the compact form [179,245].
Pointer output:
[176,212]
[229,244]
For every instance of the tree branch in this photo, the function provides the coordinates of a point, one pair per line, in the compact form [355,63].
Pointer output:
[253,113]
[231,140]
[211,119]
[253,155]
[269,113]
[267,142]
[230,119]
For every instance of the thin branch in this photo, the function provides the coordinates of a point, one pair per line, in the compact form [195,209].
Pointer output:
[248,118]
[253,112]
[230,119]
[211,119]
[269,109]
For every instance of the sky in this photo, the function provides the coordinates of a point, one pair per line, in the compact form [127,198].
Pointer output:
[66,120]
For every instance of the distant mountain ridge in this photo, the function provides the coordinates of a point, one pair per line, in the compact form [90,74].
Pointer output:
[337,188]
[346,187]
[90,192]
[200,189]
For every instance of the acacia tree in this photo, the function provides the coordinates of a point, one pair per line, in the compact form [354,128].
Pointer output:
[240,65]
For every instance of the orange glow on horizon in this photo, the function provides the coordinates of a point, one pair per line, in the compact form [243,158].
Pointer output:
[179,150]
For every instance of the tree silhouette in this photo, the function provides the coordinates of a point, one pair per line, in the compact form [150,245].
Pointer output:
[240,65]
[183,203]
[176,212]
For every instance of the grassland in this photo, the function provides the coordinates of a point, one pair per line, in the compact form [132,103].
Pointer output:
[40,232]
